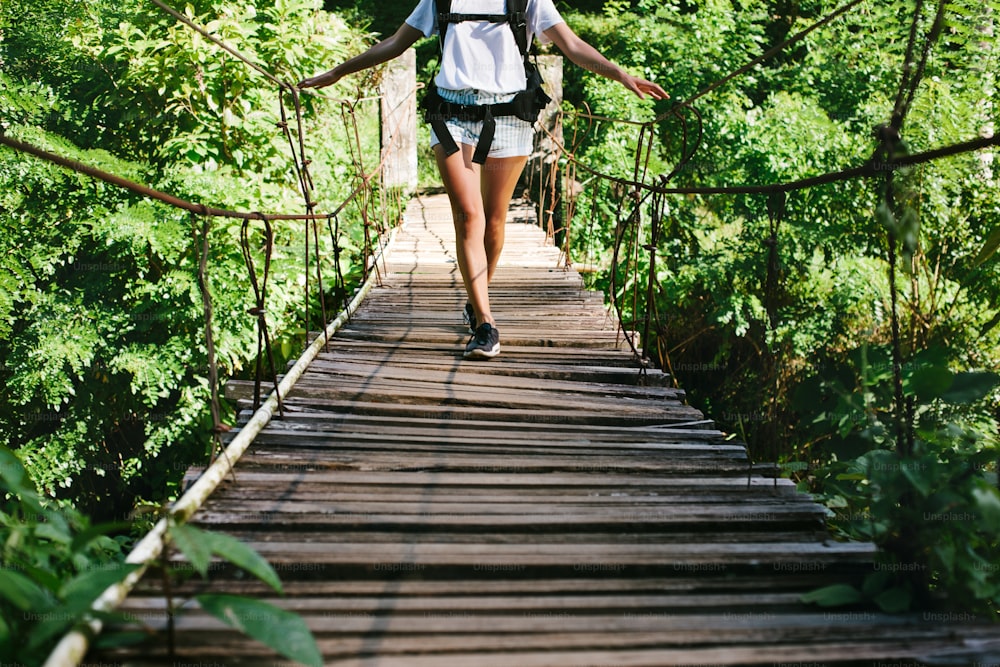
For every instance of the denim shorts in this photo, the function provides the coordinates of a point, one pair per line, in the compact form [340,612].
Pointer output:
[513,136]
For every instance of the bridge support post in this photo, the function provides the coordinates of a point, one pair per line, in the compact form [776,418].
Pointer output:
[543,183]
[399,121]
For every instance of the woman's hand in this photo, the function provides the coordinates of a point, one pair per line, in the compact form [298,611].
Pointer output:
[322,80]
[641,87]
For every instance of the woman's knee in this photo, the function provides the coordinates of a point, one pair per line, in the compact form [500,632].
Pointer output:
[469,220]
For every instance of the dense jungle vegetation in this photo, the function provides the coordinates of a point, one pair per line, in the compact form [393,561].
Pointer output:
[781,330]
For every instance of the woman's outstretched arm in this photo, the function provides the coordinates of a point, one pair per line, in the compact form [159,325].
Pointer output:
[387,49]
[587,57]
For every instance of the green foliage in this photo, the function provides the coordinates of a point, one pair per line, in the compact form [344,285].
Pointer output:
[104,385]
[281,630]
[936,511]
[53,566]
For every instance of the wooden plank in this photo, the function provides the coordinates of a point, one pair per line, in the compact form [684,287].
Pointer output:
[704,590]
[312,421]
[634,415]
[355,371]
[423,389]
[436,481]
[581,557]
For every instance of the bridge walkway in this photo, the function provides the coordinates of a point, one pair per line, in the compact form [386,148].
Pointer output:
[552,506]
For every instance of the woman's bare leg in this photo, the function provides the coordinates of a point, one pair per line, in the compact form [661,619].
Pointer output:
[499,178]
[480,197]
[460,176]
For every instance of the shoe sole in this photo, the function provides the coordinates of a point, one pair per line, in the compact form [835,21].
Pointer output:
[480,353]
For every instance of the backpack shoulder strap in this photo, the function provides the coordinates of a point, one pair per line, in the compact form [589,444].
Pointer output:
[517,17]
[443,8]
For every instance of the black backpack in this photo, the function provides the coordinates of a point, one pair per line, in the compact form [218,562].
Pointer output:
[526,105]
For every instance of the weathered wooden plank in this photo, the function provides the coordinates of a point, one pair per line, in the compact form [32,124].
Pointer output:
[502,516]
[559,441]
[582,557]
[248,491]
[568,358]
[350,371]
[633,415]
[436,481]
[881,651]
[689,433]
[553,372]
[422,389]
[699,586]
[438,464]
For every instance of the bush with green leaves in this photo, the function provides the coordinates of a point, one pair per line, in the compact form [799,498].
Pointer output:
[924,489]
[53,566]
[103,376]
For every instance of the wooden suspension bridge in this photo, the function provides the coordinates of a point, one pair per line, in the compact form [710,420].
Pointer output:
[555,506]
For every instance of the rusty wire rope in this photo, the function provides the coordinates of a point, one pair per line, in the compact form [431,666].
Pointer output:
[259,309]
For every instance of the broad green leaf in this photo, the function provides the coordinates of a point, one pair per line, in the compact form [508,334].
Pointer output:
[82,539]
[931,382]
[15,479]
[192,543]
[22,592]
[45,578]
[57,531]
[112,640]
[921,481]
[54,623]
[282,630]
[988,503]
[12,471]
[876,582]
[834,595]
[241,555]
[894,600]
[989,248]
[946,554]
[970,387]
[837,502]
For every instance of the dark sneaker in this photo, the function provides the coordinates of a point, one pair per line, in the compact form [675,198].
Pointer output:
[485,343]
[469,315]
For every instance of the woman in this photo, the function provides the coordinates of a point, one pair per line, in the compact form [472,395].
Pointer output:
[481,64]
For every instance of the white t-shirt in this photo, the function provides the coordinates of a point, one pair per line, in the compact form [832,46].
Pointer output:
[479,54]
